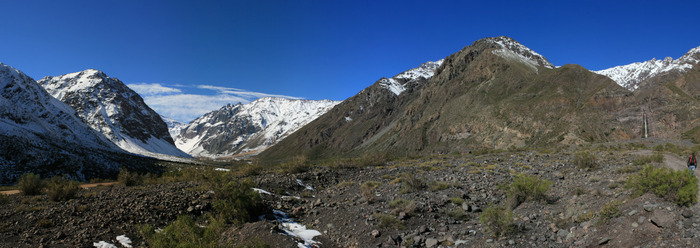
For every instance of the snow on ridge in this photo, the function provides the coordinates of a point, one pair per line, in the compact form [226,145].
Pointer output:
[631,75]
[271,118]
[425,71]
[513,49]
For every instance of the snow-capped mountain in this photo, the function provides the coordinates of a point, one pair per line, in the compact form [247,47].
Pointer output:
[511,49]
[248,128]
[43,135]
[400,82]
[110,107]
[174,126]
[630,76]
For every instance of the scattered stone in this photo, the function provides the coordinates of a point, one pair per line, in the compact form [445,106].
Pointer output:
[635,225]
[687,213]
[465,206]
[562,233]
[633,212]
[422,229]
[641,219]
[396,239]
[604,241]
[375,233]
[511,242]
[649,207]
[431,242]
[661,219]
[489,241]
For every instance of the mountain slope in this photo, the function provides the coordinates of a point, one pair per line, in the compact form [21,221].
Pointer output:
[110,107]
[631,76]
[174,126]
[245,129]
[42,135]
[495,93]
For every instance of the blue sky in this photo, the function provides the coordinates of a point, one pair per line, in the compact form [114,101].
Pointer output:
[317,49]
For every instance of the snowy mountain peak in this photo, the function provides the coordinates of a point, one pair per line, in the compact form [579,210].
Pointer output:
[110,107]
[632,75]
[399,83]
[248,128]
[511,49]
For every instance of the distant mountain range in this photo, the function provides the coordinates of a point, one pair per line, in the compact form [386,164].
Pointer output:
[499,94]
[247,129]
[493,94]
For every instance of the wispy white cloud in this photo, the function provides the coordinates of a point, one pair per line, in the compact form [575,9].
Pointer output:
[153,89]
[177,101]
[240,92]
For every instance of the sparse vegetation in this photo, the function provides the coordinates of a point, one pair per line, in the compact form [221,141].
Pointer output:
[675,186]
[584,160]
[184,232]
[344,184]
[129,178]
[410,183]
[298,164]
[524,188]
[389,221]
[44,223]
[62,188]
[498,220]
[457,200]
[30,184]
[367,190]
[657,157]
[610,210]
[458,214]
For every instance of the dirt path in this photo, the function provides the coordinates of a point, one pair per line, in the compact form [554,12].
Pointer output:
[672,161]
[84,186]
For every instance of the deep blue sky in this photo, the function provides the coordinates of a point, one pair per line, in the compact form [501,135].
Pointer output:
[323,49]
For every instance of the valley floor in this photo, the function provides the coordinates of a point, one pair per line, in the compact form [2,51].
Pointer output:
[424,202]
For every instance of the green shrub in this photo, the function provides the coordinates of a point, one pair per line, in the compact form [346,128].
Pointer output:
[62,189]
[643,160]
[410,183]
[250,169]
[30,184]
[184,232]
[498,220]
[610,210]
[675,186]
[367,190]
[457,200]
[402,205]
[458,214]
[389,221]
[584,160]
[236,202]
[129,178]
[524,188]
[437,186]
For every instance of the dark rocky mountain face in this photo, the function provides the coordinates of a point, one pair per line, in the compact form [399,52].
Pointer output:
[42,135]
[109,106]
[495,93]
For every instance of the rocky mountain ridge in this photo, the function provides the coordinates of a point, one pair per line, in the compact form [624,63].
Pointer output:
[245,129]
[42,135]
[110,107]
[632,75]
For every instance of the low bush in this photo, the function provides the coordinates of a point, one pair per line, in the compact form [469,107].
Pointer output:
[236,202]
[367,190]
[30,184]
[610,210]
[458,214]
[184,232]
[584,160]
[457,200]
[389,221]
[675,186]
[410,183]
[62,189]
[129,178]
[498,220]
[644,160]
[524,188]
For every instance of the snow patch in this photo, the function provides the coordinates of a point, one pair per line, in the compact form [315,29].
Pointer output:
[103,244]
[292,228]
[124,240]
[303,185]
[222,169]
[511,49]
